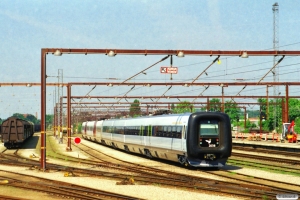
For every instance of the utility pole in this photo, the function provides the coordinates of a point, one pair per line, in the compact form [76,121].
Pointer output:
[60,94]
[275,71]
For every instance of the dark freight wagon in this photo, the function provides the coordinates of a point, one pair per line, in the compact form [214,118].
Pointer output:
[15,131]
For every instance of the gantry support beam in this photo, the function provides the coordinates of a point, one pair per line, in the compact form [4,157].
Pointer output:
[151,102]
[182,97]
[29,84]
[145,52]
[149,84]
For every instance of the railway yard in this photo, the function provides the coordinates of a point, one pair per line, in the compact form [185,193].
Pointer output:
[93,171]
[128,100]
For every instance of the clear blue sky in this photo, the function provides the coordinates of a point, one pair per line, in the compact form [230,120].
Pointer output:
[27,26]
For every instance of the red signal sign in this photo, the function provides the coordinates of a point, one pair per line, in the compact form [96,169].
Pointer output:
[168,70]
[77,140]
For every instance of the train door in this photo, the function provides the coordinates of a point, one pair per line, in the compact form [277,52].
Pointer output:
[183,138]
[85,125]
[94,129]
[99,130]
[146,135]
[149,134]
[141,134]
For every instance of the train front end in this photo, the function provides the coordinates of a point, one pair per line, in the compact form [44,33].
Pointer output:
[209,139]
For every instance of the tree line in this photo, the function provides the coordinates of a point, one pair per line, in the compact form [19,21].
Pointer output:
[31,118]
[270,117]
[272,114]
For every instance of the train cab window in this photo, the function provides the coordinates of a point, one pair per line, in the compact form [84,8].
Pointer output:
[209,133]
[209,127]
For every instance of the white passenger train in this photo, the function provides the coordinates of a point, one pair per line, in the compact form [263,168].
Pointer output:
[201,139]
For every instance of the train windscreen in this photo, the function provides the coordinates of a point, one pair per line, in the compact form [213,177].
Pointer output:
[209,133]
[209,127]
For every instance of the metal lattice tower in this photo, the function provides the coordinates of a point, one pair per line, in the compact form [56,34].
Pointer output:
[275,71]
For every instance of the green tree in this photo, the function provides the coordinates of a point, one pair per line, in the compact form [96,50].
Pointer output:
[135,109]
[294,109]
[215,105]
[18,115]
[28,117]
[172,106]
[32,118]
[297,125]
[272,116]
[232,110]
[263,104]
[49,120]
[184,106]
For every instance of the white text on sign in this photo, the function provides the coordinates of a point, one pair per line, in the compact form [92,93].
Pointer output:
[168,70]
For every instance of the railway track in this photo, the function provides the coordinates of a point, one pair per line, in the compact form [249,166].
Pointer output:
[272,160]
[267,151]
[57,188]
[195,180]
[293,162]
[128,173]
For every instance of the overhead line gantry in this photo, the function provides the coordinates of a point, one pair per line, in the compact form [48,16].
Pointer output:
[113,52]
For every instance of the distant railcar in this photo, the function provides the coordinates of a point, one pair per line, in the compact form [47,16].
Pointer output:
[14,131]
[37,128]
[200,139]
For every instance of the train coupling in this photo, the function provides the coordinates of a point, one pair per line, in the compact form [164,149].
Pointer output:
[209,156]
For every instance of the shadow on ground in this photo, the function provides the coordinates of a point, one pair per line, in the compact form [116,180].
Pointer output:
[30,143]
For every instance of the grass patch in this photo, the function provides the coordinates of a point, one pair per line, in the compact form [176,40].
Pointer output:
[262,167]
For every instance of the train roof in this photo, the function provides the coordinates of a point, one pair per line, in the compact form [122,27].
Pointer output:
[154,116]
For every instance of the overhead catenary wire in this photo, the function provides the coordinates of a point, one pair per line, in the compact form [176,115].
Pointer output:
[271,69]
[147,68]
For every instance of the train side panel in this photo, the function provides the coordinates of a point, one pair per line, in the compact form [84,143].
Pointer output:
[98,131]
[197,139]
[83,129]
[90,129]
[160,136]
